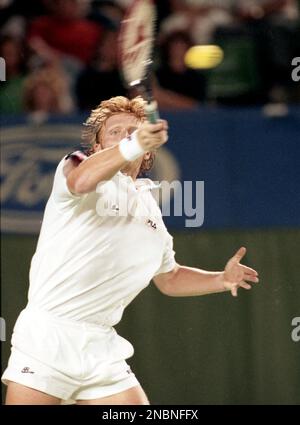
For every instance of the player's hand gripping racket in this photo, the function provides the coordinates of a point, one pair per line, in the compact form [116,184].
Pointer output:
[136,40]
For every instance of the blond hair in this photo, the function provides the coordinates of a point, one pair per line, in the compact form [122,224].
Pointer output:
[56,81]
[95,123]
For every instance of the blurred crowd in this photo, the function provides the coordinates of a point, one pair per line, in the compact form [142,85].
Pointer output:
[61,55]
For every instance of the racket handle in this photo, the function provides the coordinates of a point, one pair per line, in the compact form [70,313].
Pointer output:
[151,110]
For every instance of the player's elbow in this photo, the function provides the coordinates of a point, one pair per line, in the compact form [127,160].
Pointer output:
[163,288]
[168,289]
[78,184]
[165,282]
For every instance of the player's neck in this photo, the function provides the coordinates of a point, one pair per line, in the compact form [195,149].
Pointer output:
[131,172]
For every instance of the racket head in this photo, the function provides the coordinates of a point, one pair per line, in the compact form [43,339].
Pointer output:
[135,44]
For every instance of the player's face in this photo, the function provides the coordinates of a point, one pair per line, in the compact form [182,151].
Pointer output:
[116,128]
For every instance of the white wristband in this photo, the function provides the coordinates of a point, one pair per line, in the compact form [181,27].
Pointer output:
[130,148]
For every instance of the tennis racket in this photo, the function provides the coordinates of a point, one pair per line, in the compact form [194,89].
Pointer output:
[136,39]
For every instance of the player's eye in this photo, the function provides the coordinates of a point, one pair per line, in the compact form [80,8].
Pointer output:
[115,132]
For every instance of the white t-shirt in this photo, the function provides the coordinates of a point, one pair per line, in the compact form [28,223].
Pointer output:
[92,258]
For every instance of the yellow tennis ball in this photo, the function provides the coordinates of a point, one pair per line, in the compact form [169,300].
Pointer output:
[203,57]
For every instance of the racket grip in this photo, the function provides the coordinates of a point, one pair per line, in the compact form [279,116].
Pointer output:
[151,110]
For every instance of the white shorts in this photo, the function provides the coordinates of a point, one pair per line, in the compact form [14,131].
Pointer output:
[68,359]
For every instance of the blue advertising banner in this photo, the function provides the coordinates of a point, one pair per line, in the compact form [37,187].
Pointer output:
[29,156]
[229,168]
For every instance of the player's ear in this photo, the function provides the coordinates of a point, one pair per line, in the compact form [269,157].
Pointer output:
[98,145]
[147,155]
[95,147]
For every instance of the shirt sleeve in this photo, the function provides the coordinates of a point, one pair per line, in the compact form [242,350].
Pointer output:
[60,191]
[168,261]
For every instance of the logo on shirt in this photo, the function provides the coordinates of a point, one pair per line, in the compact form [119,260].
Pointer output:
[26,370]
[152,224]
[115,208]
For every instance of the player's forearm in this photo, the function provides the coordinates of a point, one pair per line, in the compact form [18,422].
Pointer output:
[101,166]
[188,281]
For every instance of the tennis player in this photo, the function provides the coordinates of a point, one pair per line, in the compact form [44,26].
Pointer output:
[92,259]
